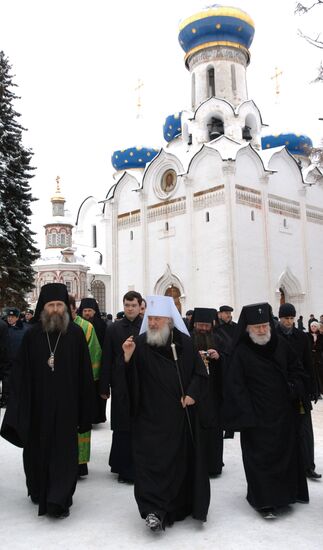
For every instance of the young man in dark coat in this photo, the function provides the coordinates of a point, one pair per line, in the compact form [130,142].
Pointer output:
[167,380]
[299,343]
[112,380]
[50,402]
[263,398]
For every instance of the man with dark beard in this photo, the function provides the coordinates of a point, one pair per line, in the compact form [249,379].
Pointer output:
[167,380]
[263,389]
[51,401]
[210,348]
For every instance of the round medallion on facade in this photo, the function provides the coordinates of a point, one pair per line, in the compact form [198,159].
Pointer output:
[168,181]
[166,184]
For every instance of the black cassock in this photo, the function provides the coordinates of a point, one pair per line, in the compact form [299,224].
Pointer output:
[171,477]
[263,389]
[47,409]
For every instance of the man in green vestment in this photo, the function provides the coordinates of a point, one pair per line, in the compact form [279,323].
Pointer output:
[84,439]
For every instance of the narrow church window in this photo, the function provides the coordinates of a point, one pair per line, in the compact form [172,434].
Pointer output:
[166,226]
[233,78]
[131,235]
[211,82]
[54,239]
[207,216]
[68,286]
[193,91]
[94,236]
[285,223]
[63,238]
[252,215]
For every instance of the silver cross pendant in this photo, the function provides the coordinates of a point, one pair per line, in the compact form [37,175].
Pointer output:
[50,361]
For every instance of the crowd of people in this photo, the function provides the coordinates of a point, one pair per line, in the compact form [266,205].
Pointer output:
[177,388]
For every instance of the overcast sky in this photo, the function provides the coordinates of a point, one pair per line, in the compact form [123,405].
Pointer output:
[77,64]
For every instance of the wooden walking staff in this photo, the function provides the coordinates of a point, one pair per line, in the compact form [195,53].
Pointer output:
[182,390]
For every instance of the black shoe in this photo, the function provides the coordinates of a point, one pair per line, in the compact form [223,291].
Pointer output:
[82,470]
[311,474]
[56,511]
[125,480]
[268,513]
[153,522]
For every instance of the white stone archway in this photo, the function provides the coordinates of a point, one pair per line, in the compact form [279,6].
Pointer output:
[167,281]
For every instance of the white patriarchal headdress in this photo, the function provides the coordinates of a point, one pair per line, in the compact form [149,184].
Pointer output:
[163,306]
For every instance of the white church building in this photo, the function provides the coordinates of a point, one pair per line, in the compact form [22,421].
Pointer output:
[220,214]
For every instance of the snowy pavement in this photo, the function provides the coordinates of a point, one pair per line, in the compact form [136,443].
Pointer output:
[105,515]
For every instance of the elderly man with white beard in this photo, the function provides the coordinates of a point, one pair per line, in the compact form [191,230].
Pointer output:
[167,379]
[51,400]
[264,388]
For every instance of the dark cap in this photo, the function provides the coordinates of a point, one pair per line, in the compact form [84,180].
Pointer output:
[203,315]
[287,310]
[120,315]
[257,314]
[29,310]
[225,308]
[189,312]
[51,292]
[13,311]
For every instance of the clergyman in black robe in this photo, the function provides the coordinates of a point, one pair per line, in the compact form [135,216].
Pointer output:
[90,311]
[50,402]
[211,349]
[264,388]
[171,478]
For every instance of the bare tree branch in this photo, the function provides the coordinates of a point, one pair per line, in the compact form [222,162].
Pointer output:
[300,9]
[313,41]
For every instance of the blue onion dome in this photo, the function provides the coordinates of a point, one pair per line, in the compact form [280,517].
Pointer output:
[172,126]
[296,144]
[134,157]
[216,25]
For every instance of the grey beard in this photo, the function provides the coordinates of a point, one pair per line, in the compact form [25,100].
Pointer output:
[260,340]
[55,321]
[158,337]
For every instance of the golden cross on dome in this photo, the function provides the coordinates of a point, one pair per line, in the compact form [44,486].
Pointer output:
[138,87]
[276,78]
[58,179]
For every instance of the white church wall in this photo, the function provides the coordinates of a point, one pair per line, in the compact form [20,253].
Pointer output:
[210,282]
[251,263]
[287,179]
[205,170]
[315,267]
[287,252]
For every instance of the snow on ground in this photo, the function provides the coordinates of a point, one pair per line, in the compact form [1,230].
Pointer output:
[105,515]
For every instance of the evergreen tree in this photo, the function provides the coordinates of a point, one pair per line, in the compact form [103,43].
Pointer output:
[17,247]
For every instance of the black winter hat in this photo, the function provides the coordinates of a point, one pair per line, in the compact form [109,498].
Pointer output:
[287,310]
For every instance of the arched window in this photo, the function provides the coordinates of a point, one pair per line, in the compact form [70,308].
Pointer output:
[215,128]
[63,239]
[252,215]
[98,291]
[285,223]
[233,78]
[207,216]
[54,238]
[211,82]
[94,236]
[131,235]
[166,226]
[193,91]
